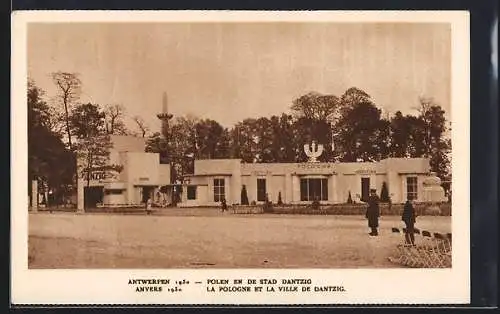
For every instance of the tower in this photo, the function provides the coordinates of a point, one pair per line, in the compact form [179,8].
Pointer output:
[164,116]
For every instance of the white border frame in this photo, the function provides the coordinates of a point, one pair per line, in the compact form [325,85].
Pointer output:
[364,286]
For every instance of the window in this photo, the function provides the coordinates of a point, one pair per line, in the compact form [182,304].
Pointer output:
[261,190]
[313,189]
[411,188]
[219,190]
[191,192]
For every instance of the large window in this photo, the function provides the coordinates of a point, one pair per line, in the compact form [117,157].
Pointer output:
[191,192]
[313,189]
[411,188]
[219,190]
[261,190]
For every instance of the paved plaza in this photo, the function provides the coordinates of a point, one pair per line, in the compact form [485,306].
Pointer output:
[194,238]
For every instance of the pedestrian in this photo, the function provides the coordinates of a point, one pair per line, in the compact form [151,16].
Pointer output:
[224,205]
[409,218]
[149,204]
[373,212]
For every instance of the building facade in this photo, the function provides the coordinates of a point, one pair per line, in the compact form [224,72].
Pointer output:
[301,183]
[141,177]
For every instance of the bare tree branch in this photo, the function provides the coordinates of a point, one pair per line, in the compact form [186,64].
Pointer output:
[69,90]
[141,124]
[114,119]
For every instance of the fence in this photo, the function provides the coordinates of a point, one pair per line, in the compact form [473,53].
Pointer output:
[432,250]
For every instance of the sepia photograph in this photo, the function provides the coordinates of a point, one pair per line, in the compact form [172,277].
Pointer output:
[225,144]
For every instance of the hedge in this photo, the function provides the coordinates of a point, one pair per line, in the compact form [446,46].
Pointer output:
[422,209]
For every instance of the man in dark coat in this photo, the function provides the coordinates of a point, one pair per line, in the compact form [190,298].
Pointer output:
[409,219]
[373,212]
[223,205]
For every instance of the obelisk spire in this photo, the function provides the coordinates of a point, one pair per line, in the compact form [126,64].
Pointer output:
[164,116]
[165,103]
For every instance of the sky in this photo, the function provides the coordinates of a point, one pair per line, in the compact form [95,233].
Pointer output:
[232,71]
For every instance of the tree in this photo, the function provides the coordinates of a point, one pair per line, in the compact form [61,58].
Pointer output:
[182,146]
[141,124]
[316,106]
[315,115]
[113,120]
[38,110]
[440,161]
[308,130]
[87,120]
[351,97]
[244,196]
[384,193]
[407,136]
[262,141]
[49,161]
[243,143]
[362,134]
[422,136]
[284,139]
[93,156]
[69,90]
[436,146]
[211,140]
[156,143]
[400,135]
[179,148]
[93,142]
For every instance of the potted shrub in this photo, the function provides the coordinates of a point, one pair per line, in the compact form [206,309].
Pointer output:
[280,202]
[244,196]
[349,198]
[384,193]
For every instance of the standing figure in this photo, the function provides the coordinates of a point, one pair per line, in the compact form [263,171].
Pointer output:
[409,219]
[373,212]
[149,205]
[268,206]
[224,205]
[158,197]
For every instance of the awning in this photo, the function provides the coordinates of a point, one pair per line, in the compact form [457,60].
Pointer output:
[147,184]
[115,186]
[314,176]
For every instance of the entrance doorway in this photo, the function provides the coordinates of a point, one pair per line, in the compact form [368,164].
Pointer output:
[147,192]
[365,189]
[261,190]
[92,196]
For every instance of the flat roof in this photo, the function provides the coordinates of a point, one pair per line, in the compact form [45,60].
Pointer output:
[208,174]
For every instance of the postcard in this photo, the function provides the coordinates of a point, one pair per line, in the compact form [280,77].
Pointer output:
[240,157]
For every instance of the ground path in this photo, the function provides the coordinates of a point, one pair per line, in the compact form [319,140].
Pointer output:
[190,238]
